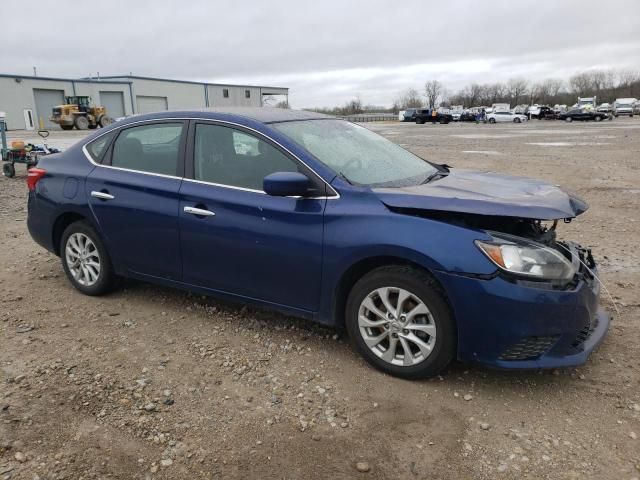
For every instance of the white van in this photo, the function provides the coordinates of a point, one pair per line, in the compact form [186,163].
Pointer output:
[625,106]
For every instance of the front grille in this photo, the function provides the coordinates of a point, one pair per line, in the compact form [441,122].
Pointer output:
[584,334]
[528,348]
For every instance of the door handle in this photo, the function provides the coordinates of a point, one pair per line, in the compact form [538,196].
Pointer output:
[102,195]
[199,212]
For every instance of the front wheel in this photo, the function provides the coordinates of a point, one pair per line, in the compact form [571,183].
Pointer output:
[8,170]
[81,123]
[516,120]
[568,119]
[492,120]
[399,321]
[85,260]
[598,118]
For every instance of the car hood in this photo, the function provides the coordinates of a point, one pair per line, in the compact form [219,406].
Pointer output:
[487,193]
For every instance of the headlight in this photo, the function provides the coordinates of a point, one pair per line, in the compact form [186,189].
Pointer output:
[522,257]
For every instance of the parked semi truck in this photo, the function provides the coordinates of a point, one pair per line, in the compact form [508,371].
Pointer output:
[588,103]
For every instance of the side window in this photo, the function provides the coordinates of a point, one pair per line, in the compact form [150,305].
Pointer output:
[99,146]
[225,92]
[231,157]
[149,148]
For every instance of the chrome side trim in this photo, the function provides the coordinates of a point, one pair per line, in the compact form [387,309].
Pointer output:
[86,154]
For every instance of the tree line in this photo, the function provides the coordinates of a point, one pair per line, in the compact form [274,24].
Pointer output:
[607,85]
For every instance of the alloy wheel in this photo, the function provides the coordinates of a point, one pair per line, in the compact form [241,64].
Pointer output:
[397,326]
[83,259]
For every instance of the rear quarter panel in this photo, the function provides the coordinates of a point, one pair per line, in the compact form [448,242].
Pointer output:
[60,191]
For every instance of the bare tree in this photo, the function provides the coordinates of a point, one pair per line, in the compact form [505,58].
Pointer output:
[581,84]
[409,98]
[353,106]
[517,88]
[432,90]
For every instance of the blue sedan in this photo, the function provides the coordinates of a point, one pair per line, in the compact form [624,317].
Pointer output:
[323,219]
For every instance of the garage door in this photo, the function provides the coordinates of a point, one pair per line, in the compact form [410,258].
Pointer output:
[45,100]
[151,104]
[113,102]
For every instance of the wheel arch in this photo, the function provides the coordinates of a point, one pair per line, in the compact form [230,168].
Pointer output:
[362,267]
[61,223]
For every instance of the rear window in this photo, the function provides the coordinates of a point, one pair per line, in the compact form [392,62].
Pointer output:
[99,146]
[149,148]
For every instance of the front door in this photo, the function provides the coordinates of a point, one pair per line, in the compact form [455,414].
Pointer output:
[134,198]
[239,240]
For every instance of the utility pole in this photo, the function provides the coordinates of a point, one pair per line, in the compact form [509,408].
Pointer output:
[35,71]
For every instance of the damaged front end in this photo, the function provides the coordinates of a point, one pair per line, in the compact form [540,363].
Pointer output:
[525,251]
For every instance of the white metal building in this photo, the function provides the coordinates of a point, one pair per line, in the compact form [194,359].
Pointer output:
[28,100]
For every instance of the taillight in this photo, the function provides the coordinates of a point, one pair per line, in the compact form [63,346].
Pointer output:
[33,175]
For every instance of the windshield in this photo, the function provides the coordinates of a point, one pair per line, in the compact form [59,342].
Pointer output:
[358,154]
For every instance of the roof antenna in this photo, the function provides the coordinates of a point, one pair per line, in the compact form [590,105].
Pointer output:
[35,71]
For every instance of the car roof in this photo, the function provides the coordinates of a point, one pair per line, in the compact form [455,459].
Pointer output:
[258,114]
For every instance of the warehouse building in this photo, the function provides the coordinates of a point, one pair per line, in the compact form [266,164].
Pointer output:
[27,100]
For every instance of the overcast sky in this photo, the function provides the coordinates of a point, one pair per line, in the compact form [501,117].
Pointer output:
[326,51]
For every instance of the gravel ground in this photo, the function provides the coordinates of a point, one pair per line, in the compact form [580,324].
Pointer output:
[155,383]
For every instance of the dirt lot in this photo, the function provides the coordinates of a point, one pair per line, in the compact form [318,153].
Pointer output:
[155,383]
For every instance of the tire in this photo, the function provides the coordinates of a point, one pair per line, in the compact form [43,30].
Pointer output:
[517,120]
[492,120]
[81,122]
[105,121]
[66,127]
[8,170]
[568,119]
[85,278]
[424,362]
[598,118]
[419,121]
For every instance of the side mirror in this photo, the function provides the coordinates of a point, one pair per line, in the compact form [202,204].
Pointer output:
[286,184]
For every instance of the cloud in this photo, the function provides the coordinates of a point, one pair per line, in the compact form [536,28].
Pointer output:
[327,51]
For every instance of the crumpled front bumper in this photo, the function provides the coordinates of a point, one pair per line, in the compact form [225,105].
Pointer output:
[508,325]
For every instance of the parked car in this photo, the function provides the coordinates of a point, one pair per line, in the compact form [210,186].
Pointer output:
[541,112]
[500,117]
[409,115]
[605,107]
[424,115]
[583,114]
[467,116]
[324,219]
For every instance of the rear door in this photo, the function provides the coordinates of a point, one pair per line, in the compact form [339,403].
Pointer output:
[246,242]
[134,197]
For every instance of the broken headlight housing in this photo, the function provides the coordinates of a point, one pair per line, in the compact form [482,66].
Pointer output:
[525,258]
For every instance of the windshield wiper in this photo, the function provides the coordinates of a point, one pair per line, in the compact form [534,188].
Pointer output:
[435,175]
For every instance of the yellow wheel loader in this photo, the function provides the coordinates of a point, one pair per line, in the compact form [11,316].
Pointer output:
[78,112]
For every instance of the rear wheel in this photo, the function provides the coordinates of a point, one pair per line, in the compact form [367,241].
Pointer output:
[492,120]
[8,170]
[568,119]
[399,321]
[598,118]
[81,122]
[516,120]
[419,121]
[85,260]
